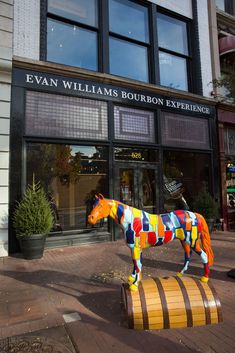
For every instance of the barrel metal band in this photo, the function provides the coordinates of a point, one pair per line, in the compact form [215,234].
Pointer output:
[186,302]
[205,301]
[143,306]
[166,321]
[217,302]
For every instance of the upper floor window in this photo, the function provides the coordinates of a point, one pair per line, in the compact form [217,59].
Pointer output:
[173,52]
[72,33]
[226,6]
[129,39]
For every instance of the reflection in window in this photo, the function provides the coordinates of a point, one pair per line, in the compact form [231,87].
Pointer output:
[173,52]
[185,174]
[173,71]
[220,4]
[128,60]
[71,45]
[71,176]
[124,17]
[128,23]
[172,34]
[84,11]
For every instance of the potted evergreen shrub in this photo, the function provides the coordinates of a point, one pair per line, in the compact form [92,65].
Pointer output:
[207,207]
[33,220]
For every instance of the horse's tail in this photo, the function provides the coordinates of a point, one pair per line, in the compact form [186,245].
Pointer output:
[206,240]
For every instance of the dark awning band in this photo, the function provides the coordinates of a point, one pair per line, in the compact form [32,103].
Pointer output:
[227,45]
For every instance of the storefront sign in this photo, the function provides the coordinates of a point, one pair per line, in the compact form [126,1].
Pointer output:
[56,83]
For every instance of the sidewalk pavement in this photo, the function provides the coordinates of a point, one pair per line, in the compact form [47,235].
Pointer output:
[69,301]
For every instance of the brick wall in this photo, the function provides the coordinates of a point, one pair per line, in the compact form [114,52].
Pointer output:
[27,28]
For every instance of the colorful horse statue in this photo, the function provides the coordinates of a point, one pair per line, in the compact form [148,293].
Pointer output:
[143,230]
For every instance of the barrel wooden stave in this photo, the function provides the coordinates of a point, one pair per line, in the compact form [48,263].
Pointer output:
[171,303]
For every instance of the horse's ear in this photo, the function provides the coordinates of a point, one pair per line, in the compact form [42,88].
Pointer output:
[101,197]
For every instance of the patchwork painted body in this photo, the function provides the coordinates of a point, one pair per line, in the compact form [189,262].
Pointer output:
[144,230]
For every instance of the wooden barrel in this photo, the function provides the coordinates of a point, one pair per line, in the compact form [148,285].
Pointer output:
[171,302]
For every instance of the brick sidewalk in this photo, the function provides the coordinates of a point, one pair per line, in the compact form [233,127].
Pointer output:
[86,280]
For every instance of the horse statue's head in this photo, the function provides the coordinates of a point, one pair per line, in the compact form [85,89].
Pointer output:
[101,209]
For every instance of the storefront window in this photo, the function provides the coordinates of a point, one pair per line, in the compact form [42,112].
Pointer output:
[185,175]
[134,124]
[230,188]
[71,176]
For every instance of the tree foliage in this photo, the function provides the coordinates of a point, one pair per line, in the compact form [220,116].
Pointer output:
[33,214]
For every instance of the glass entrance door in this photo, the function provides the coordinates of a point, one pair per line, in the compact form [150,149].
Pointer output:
[136,185]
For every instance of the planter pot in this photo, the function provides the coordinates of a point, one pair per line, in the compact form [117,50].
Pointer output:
[32,246]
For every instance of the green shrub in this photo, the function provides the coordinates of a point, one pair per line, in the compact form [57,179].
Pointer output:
[33,214]
[206,205]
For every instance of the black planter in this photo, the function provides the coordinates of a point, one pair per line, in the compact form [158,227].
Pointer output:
[32,246]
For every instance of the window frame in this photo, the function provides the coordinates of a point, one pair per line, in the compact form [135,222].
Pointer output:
[147,44]
[103,34]
[46,14]
[188,58]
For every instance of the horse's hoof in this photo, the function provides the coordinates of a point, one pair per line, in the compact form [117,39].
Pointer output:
[179,274]
[133,287]
[131,279]
[204,279]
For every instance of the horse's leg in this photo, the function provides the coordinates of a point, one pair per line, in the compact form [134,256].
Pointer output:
[204,259]
[137,260]
[187,255]
[131,278]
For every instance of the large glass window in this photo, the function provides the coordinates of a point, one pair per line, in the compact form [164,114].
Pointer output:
[185,175]
[72,37]
[125,15]
[71,176]
[173,52]
[129,38]
[84,11]
[128,59]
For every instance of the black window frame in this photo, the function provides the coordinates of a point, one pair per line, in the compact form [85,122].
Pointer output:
[176,54]
[45,15]
[146,44]
[103,34]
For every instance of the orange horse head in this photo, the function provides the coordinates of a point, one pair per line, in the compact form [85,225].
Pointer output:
[101,209]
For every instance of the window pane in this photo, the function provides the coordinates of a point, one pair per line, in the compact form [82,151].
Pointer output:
[185,131]
[71,176]
[220,4]
[63,116]
[134,124]
[128,60]
[84,11]
[71,45]
[185,175]
[172,34]
[173,71]
[129,19]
